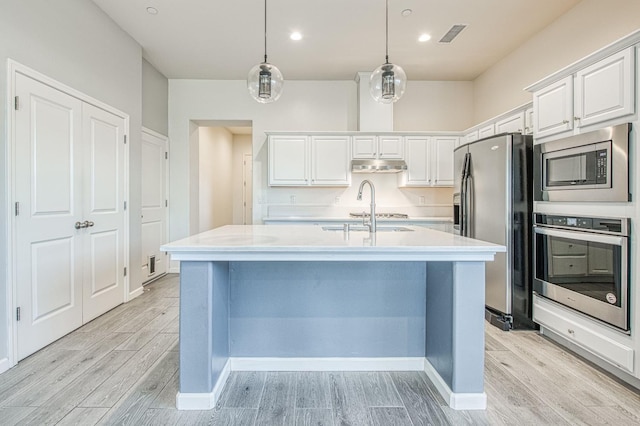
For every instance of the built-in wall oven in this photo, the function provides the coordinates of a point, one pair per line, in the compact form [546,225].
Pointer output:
[591,166]
[583,263]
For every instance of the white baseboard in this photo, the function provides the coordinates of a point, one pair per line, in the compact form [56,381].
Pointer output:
[135,293]
[327,364]
[204,401]
[4,365]
[457,401]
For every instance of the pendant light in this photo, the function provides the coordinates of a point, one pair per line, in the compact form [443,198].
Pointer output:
[388,81]
[265,81]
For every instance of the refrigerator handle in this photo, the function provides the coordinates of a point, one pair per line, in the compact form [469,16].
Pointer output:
[471,232]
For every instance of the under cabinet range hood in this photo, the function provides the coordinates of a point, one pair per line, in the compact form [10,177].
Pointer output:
[378,166]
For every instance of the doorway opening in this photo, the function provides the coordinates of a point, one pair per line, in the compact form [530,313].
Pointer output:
[225,173]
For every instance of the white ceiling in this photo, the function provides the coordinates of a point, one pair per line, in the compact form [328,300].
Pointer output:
[209,39]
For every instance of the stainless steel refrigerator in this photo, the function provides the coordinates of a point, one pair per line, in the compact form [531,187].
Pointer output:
[493,201]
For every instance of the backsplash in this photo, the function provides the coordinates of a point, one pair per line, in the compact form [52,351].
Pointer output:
[339,202]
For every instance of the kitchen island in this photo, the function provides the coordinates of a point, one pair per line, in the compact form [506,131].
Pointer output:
[300,298]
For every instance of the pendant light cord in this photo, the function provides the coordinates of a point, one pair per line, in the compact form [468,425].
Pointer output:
[386,33]
[265,31]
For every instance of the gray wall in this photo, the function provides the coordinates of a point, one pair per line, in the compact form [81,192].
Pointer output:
[74,42]
[155,99]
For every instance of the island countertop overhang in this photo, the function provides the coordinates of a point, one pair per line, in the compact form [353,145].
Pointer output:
[312,243]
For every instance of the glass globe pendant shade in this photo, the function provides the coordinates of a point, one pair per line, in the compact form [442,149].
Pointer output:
[265,83]
[387,83]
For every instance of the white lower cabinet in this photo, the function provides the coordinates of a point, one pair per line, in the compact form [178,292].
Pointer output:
[584,332]
[429,161]
[314,160]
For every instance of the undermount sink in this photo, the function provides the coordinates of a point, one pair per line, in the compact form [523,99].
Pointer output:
[366,229]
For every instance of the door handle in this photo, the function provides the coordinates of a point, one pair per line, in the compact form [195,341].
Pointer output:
[85,224]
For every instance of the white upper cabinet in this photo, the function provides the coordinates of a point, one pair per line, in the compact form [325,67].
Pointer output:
[598,93]
[469,137]
[486,131]
[302,160]
[511,124]
[288,160]
[429,161]
[330,160]
[443,147]
[553,108]
[605,90]
[528,121]
[378,147]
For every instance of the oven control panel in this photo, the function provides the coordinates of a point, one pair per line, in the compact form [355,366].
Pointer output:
[618,226]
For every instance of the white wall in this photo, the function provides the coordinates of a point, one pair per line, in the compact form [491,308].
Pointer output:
[435,106]
[74,42]
[155,99]
[304,105]
[215,177]
[241,146]
[587,27]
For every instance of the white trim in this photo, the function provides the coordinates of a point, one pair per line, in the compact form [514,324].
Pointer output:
[457,401]
[4,365]
[14,68]
[204,401]
[135,293]
[327,364]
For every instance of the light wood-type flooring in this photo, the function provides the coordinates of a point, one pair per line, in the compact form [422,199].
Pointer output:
[122,368]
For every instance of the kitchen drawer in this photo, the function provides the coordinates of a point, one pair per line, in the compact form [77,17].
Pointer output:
[569,265]
[562,247]
[583,334]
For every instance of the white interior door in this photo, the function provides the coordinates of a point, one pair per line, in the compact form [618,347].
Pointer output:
[48,185]
[103,198]
[154,207]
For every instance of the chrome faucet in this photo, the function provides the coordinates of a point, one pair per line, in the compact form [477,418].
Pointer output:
[372,215]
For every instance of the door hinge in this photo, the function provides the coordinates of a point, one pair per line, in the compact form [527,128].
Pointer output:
[18,313]
[125,271]
[125,205]
[17,208]
[166,155]
[16,103]
[125,139]
[166,203]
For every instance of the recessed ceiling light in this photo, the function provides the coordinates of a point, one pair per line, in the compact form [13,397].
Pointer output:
[152,10]
[424,37]
[406,12]
[295,36]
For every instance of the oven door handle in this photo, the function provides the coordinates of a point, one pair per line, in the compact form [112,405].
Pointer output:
[582,236]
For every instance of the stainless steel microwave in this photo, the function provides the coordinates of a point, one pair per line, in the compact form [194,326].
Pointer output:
[592,166]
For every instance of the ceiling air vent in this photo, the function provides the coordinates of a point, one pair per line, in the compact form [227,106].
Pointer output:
[452,33]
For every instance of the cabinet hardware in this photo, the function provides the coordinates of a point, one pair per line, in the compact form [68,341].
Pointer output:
[16,103]
[17,208]
[565,121]
[576,118]
[18,313]
[570,331]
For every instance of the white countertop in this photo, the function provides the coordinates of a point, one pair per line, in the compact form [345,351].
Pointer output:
[344,219]
[312,243]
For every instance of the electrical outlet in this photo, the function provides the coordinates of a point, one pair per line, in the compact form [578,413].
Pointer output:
[292,199]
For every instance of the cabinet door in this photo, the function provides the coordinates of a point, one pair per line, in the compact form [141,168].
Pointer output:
[391,147]
[288,160]
[486,131]
[605,90]
[470,137]
[330,160]
[442,162]
[418,155]
[600,260]
[365,146]
[528,121]
[512,124]
[554,108]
